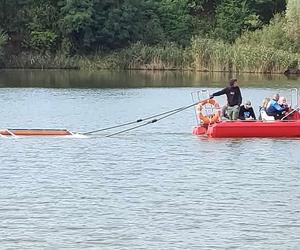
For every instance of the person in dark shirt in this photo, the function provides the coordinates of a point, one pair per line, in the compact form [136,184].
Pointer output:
[234,98]
[247,112]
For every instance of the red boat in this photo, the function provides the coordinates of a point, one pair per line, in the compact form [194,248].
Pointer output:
[210,124]
[231,129]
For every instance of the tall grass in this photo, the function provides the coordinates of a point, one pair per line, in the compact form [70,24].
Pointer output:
[261,59]
[203,55]
[210,55]
[264,51]
[141,56]
[39,61]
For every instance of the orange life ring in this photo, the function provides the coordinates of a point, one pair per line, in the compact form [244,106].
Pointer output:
[208,119]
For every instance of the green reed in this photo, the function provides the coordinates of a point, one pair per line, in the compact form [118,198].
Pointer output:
[41,61]
[210,55]
[203,55]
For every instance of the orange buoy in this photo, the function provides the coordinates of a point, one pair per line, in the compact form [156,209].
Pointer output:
[206,119]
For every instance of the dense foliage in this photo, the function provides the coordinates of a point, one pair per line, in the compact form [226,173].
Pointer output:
[46,28]
[293,21]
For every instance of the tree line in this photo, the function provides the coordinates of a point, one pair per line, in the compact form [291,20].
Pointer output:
[86,27]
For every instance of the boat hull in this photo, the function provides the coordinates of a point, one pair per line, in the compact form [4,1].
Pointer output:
[34,132]
[231,129]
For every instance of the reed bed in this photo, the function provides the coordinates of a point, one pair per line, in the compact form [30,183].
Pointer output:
[210,55]
[39,61]
[203,55]
[261,59]
[140,56]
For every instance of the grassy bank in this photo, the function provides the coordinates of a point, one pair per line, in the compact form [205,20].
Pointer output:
[41,61]
[201,55]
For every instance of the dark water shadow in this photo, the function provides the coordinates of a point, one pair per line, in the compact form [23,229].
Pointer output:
[136,79]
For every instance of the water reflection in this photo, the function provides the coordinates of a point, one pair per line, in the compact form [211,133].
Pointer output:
[136,79]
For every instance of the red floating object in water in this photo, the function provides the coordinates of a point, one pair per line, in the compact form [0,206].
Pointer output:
[35,132]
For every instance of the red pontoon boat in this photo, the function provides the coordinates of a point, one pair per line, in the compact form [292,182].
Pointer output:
[232,129]
[210,124]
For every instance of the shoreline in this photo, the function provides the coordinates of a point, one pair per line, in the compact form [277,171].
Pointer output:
[294,73]
[204,55]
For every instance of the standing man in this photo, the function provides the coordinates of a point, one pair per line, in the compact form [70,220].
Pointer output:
[234,98]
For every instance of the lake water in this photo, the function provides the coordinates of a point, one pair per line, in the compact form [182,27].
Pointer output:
[155,187]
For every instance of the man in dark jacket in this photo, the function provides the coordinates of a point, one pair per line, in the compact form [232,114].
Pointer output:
[234,98]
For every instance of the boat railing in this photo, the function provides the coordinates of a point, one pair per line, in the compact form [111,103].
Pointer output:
[291,96]
[297,109]
[294,98]
[198,96]
[294,104]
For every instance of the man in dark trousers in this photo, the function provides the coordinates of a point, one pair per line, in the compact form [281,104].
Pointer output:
[234,98]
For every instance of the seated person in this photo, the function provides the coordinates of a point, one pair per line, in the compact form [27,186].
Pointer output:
[246,112]
[274,109]
[282,102]
[289,112]
[264,104]
[262,110]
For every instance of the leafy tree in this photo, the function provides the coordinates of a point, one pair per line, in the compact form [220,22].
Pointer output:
[13,18]
[293,20]
[86,26]
[266,9]
[129,21]
[43,16]
[176,20]
[203,7]
[43,41]
[75,23]
[43,32]
[203,13]
[232,17]
[272,35]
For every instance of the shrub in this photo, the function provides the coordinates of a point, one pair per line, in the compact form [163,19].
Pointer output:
[43,41]
[270,36]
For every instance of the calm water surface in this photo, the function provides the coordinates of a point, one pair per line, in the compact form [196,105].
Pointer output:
[156,187]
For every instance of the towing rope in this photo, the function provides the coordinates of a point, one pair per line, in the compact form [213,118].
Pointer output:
[161,117]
